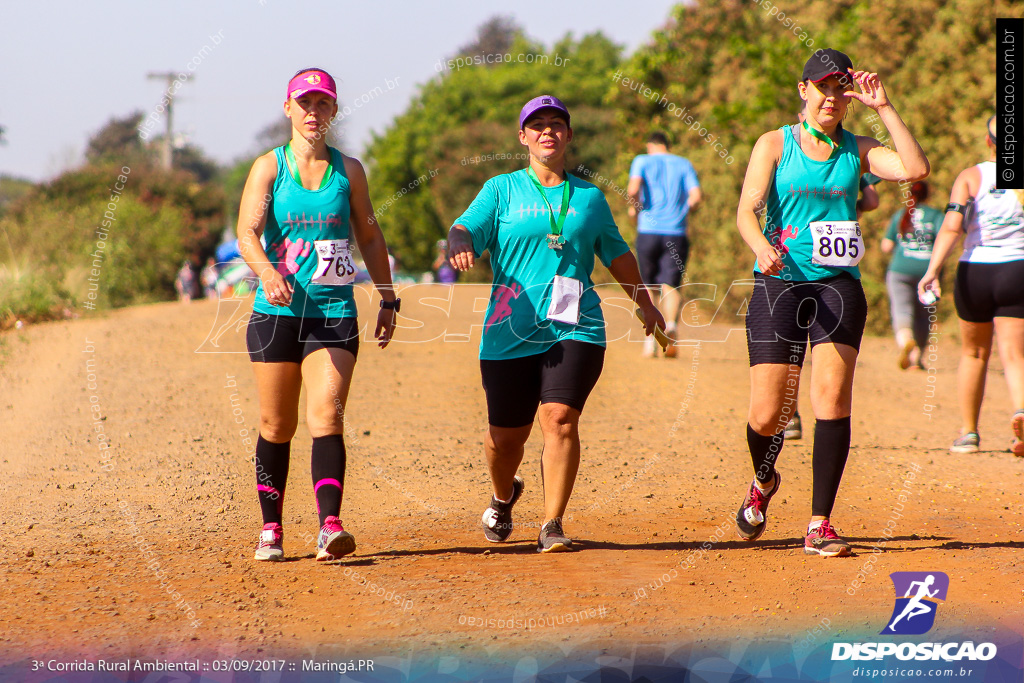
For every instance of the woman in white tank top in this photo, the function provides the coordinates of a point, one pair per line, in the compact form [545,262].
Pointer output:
[989,292]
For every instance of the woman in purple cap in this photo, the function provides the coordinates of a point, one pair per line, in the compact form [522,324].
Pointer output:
[804,178]
[543,341]
[308,200]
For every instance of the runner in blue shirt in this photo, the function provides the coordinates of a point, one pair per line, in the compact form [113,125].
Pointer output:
[666,186]
[543,340]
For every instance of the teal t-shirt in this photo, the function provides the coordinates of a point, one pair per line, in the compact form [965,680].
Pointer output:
[913,250]
[297,219]
[805,191]
[509,219]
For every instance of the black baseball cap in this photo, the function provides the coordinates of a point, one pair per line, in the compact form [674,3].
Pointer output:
[825,63]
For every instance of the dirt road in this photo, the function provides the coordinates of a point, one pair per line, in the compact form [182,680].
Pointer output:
[145,547]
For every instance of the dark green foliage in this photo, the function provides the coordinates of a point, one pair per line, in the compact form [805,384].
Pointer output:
[735,69]
[463,127]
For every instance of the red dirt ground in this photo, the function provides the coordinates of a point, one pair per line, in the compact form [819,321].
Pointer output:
[662,474]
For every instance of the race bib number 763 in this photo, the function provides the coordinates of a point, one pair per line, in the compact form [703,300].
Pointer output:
[836,243]
[335,265]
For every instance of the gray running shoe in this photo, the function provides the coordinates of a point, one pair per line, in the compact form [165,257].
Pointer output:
[334,542]
[824,541]
[752,518]
[1017,424]
[968,443]
[794,430]
[497,519]
[270,546]
[552,539]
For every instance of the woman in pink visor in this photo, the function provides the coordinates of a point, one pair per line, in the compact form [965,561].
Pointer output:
[307,201]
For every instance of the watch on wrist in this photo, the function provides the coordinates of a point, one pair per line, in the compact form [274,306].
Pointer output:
[395,305]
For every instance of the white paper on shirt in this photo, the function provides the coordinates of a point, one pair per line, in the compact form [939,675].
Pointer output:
[335,265]
[565,300]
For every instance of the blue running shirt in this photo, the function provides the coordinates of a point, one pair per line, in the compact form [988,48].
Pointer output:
[667,181]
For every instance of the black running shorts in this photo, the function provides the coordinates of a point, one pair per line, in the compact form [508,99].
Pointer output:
[989,290]
[566,373]
[783,316]
[289,339]
[662,258]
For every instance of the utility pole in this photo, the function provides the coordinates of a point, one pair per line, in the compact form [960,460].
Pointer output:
[169,77]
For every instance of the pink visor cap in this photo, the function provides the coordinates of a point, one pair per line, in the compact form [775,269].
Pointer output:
[312,81]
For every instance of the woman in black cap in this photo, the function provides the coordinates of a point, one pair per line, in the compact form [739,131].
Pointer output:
[543,340]
[804,178]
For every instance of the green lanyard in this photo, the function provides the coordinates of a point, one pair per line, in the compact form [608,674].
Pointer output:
[815,133]
[555,239]
[289,157]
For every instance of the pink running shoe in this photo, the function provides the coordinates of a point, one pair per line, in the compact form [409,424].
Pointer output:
[823,540]
[752,518]
[270,546]
[1017,447]
[334,541]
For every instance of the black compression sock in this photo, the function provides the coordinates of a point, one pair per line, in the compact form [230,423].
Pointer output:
[271,476]
[764,451]
[831,449]
[328,467]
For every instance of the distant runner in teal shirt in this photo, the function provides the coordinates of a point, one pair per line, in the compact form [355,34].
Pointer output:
[543,339]
[909,239]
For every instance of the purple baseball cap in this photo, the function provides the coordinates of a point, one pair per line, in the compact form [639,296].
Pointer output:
[542,102]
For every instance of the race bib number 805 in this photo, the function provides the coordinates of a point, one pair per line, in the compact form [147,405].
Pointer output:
[335,265]
[837,243]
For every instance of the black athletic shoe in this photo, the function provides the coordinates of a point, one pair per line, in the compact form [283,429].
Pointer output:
[497,519]
[752,518]
[552,539]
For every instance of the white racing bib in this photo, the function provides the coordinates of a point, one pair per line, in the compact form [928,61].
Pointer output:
[565,300]
[836,243]
[335,265]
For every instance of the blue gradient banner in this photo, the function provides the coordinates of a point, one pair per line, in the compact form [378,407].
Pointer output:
[721,661]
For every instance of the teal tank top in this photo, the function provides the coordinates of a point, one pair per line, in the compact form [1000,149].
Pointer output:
[297,219]
[805,191]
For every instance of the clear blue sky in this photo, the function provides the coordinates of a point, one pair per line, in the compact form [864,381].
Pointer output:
[66,68]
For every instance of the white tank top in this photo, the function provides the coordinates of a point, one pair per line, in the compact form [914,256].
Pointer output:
[995,229]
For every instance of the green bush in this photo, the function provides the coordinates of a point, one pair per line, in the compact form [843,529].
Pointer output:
[50,259]
[29,295]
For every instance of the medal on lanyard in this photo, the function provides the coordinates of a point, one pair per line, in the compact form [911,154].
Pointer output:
[555,238]
[815,133]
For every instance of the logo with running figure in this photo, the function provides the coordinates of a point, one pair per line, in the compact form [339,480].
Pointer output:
[313,79]
[921,593]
